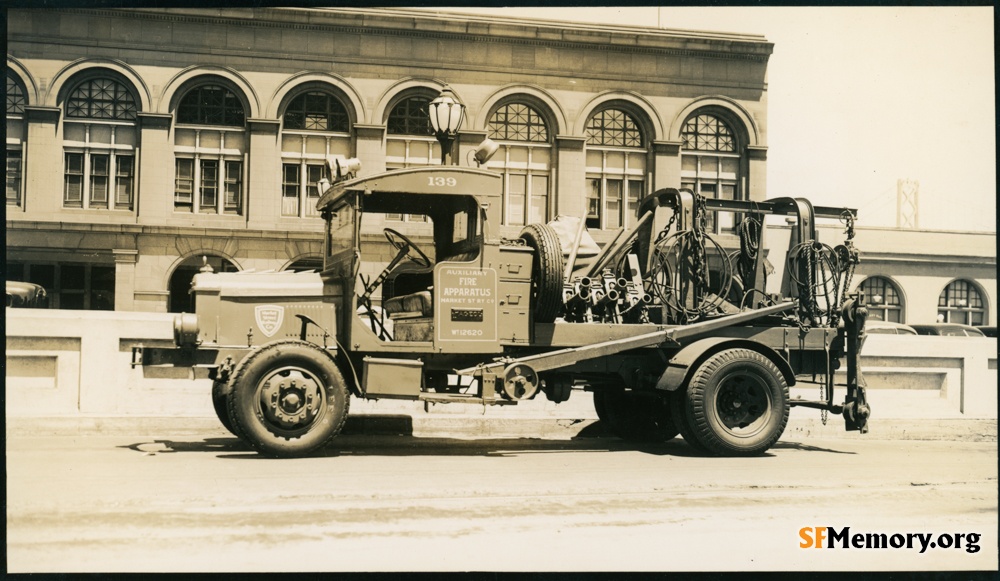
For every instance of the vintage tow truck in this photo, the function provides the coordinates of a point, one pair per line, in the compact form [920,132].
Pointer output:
[672,332]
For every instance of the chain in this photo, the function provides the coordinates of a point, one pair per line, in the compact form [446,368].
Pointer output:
[666,229]
[811,296]
[823,414]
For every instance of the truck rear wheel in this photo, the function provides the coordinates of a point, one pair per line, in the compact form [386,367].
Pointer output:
[288,399]
[546,271]
[635,416]
[678,401]
[736,403]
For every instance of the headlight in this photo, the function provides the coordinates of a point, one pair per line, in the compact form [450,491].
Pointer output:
[186,330]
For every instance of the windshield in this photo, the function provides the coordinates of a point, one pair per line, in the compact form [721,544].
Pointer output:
[341,239]
[340,230]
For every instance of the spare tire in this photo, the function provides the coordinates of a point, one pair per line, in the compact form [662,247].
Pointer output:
[546,271]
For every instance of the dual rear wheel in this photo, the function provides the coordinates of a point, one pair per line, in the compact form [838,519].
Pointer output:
[735,404]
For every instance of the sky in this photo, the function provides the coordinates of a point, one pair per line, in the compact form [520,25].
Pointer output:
[860,97]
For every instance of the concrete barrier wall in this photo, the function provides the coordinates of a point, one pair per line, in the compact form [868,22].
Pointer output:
[63,363]
[76,363]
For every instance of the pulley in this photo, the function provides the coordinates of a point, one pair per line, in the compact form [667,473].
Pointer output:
[520,381]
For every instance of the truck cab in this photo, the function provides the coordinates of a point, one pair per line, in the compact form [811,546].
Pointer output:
[464,290]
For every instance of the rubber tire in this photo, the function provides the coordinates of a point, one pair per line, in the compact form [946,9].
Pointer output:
[635,416]
[678,401]
[701,406]
[546,271]
[220,393]
[255,367]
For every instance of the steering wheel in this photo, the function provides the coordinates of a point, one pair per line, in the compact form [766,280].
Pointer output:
[399,242]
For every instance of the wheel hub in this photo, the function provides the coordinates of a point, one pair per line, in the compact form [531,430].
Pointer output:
[290,398]
[741,402]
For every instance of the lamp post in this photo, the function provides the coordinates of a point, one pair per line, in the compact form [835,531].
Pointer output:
[446,115]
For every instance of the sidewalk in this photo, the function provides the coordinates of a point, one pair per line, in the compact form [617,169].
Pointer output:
[896,415]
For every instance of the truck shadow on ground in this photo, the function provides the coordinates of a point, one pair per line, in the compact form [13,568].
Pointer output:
[393,436]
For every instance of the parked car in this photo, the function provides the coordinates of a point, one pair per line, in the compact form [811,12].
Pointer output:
[876,327]
[25,295]
[948,330]
[990,331]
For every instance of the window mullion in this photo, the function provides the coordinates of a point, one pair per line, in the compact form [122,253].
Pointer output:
[506,190]
[221,174]
[526,211]
[112,186]
[604,189]
[303,187]
[220,184]
[85,186]
[196,193]
[303,174]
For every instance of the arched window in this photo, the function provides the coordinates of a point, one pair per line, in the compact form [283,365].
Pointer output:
[616,168]
[883,299]
[209,144]
[306,264]
[518,122]
[99,140]
[712,164]
[211,105]
[101,99]
[315,125]
[525,160]
[613,128]
[15,139]
[181,300]
[15,96]
[409,140]
[410,116]
[317,111]
[961,302]
[708,133]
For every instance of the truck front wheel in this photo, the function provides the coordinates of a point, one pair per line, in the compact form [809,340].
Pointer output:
[288,399]
[736,403]
[220,394]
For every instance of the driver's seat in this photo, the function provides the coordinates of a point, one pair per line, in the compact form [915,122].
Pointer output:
[411,306]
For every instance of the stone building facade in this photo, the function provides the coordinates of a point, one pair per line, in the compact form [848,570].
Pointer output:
[141,140]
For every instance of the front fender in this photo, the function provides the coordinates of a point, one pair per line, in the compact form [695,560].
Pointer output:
[684,362]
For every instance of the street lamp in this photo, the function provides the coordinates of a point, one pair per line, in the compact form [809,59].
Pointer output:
[446,115]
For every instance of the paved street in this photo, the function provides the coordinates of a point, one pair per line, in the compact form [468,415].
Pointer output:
[190,503]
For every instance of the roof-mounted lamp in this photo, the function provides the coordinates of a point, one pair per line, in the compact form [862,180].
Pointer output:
[485,151]
[340,168]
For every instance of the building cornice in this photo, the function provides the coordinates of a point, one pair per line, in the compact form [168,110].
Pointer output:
[412,23]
